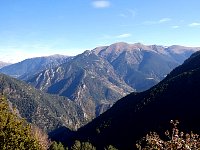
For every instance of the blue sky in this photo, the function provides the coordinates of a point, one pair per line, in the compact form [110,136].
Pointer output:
[30,28]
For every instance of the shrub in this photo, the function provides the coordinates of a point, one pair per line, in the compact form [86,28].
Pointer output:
[57,146]
[176,140]
[82,146]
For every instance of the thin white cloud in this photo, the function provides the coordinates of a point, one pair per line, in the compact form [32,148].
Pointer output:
[101,3]
[126,35]
[175,27]
[194,24]
[161,21]
[123,15]
[120,36]
[164,20]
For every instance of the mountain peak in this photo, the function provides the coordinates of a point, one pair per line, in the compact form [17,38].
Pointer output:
[122,46]
[57,56]
[177,49]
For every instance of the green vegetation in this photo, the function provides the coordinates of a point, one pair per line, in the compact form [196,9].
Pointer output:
[82,146]
[176,140]
[78,145]
[15,133]
[46,111]
[57,146]
[88,146]
[110,147]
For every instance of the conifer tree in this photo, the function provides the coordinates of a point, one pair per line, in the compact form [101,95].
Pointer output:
[15,133]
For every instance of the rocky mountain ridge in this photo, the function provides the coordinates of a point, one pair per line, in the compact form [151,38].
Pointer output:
[146,64]
[88,80]
[29,67]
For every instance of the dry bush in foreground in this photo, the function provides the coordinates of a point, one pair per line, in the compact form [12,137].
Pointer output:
[177,140]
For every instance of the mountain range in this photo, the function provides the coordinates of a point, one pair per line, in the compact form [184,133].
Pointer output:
[134,63]
[97,79]
[86,85]
[131,118]
[29,67]
[88,80]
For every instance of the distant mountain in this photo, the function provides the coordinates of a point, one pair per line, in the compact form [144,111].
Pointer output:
[3,64]
[87,79]
[181,53]
[29,67]
[97,79]
[46,111]
[142,66]
[132,117]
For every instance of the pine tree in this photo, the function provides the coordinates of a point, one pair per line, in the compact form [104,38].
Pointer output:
[15,133]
